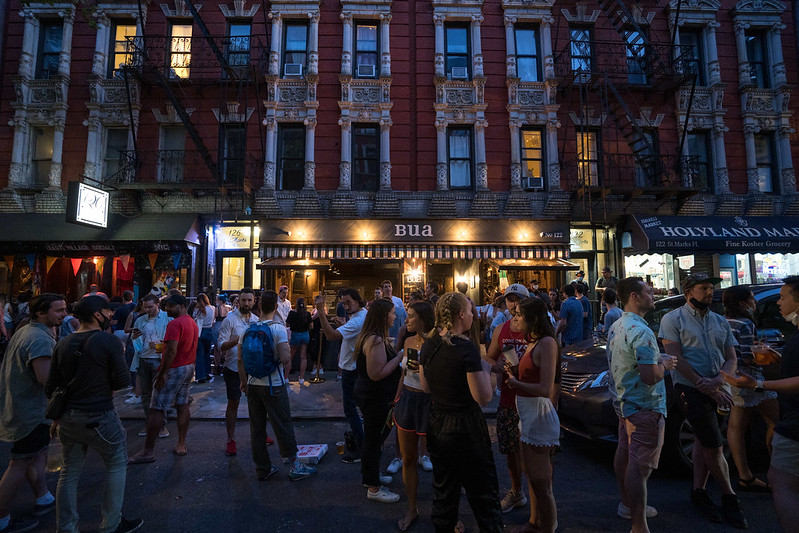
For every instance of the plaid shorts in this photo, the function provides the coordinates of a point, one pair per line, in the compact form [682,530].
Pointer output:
[508,431]
[176,388]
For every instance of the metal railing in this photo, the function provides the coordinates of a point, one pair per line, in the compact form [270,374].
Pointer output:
[181,167]
[621,172]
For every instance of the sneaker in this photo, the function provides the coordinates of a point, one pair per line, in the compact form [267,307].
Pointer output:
[301,471]
[386,480]
[351,458]
[394,466]
[263,476]
[513,500]
[164,433]
[143,433]
[211,378]
[700,499]
[624,512]
[425,463]
[269,441]
[383,495]
[320,372]
[732,512]
[133,400]
[338,378]
[41,510]
[230,447]
[18,525]
[129,526]
[301,381]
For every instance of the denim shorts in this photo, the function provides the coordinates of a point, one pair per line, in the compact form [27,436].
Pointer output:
[176,389]
[298,339]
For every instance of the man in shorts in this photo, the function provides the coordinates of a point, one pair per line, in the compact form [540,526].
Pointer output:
[173,379]
[704,345]
[233,327]
[638,370]
[23,374]
[504,338]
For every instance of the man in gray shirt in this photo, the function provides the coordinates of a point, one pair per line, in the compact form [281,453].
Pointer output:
[23,375]
[703,344]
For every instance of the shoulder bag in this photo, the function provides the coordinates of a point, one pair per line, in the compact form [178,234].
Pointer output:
[57,403]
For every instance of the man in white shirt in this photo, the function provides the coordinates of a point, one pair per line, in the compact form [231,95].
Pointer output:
[348,333]
[399,309]
[231,331]
[283,305]
[267,398]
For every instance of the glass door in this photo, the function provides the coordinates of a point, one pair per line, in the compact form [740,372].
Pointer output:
[233,271]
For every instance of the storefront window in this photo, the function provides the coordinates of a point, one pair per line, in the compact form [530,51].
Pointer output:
[742,269]
[771,268]
[657,268]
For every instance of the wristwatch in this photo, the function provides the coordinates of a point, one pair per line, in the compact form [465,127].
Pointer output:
[759,386]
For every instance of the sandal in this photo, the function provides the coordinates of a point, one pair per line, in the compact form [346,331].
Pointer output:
[460,528]
[404,524]
[749,485]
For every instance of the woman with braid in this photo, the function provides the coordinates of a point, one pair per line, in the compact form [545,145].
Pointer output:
[457,378]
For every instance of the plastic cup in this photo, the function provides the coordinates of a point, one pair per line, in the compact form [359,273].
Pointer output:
[762,354]
[159,347]
[340,447]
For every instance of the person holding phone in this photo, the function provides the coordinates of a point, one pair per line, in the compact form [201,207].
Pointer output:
[413,406]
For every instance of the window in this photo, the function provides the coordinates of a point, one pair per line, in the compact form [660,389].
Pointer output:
[581,49]
[238,47]
[460,157]
[233,149]
[587,158]
[647,162]
[121,48]
[295,50]
[116,141]
[532,159]
[457,46]
[43,140]
[692,54]
[365,157]
[527,58]
[764,152]
[291,157]
[366,60]
[180,51]
[636,46]
[757,55]
[699,147]
[172,154]
[51,34]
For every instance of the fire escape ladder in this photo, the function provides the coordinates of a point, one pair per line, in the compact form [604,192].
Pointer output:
[211,43]
[636,41]
[624,120]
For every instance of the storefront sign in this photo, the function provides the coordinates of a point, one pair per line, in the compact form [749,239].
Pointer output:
[87,205]
[582,239]
[674,234]
[233,237]
[686,262]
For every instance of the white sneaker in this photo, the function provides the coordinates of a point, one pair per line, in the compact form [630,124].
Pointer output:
[133,400]
[624,512]
[383,495]
[394,466]
[302,381]
[425,463]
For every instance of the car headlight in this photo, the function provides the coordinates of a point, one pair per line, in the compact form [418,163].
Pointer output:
[596,381]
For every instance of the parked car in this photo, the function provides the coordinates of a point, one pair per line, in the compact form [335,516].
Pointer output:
[586,408]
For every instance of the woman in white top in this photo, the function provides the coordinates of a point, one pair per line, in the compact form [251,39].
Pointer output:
[204,314]
[413,406]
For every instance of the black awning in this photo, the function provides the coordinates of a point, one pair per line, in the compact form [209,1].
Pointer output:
[51,234]
[714,235]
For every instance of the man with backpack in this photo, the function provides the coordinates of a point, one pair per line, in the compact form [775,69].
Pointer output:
[263,350]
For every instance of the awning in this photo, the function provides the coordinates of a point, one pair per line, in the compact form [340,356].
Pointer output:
[723,235]
[538,264]
[51,234]
[295,263]
[356,252]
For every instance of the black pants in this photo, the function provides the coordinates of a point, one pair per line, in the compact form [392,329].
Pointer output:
[460,450]
[375,410]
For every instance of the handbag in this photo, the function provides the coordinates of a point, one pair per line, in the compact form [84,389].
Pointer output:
[57,403]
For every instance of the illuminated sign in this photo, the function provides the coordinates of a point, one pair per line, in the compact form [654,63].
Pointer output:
[87,205]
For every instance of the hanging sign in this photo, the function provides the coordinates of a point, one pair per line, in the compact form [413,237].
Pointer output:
[87,205]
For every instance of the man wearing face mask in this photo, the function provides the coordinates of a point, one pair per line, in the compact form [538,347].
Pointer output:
[704,345]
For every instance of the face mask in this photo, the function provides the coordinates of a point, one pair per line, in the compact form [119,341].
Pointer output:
[105,324]
[698,305]
[793,317]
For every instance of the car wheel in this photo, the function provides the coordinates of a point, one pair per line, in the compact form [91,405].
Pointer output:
[679,441]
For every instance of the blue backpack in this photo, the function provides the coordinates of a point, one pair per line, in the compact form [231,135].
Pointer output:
[258,350]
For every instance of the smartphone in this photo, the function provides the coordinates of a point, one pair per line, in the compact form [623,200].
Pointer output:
[413,354]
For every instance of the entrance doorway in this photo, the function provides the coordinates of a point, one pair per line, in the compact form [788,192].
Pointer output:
[233,269]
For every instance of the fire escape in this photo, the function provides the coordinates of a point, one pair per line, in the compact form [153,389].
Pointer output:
[600,80]
[196,69]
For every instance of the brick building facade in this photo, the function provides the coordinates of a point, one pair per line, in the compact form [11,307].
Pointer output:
[558,117]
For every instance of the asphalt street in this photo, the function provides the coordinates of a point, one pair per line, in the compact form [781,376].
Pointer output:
[208,491]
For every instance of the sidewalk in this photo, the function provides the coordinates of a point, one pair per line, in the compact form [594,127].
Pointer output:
[308,401]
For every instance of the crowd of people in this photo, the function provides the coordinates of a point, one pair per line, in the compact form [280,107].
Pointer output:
[420,367]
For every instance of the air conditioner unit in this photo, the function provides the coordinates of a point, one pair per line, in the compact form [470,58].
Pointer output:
[532,183]
[292,69]
[459,73]
[366,71]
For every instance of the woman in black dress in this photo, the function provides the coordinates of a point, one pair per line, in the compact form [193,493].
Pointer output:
[379,373]
[457,435]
